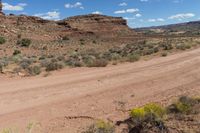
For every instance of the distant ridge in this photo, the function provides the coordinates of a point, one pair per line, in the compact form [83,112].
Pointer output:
[192,27]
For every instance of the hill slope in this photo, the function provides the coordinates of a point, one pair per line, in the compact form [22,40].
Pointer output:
[38,28]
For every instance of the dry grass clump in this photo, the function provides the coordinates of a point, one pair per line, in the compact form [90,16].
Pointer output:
[100,127]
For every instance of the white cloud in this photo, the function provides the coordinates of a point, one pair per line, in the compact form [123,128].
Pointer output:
[156,20]
[54,15]
[76,5]
[123,4]
[144,0]
[97,12]
[128,18]
[182,16]
[132,10]
[138,15]
[160,19]
[18,7]
[120,12]
[151,20]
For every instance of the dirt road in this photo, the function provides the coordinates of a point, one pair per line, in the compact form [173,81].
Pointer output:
[102,93]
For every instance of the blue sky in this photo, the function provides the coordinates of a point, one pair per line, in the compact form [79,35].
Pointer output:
[139,13]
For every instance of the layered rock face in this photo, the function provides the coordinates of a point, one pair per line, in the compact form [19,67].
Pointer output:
[99,24]
[85,25]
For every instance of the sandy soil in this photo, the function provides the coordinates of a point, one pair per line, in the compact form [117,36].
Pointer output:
[64,101]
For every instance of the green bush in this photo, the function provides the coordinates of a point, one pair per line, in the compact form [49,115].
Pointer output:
[2,40]
[24,42]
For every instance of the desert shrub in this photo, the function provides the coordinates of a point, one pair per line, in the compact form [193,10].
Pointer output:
[4,61]
[138,114]
[15,58]
[183,46]
[74,61]
[107,56]
[149,51]
[94,42]
[88,59]
[44,62]
[19,36]
[52,66]
[61,58]
[133,57]
[1,68]
[82,41]
[115,56]
[146,117]
[50,56]
[25,63]
[115,50]
[166,46]
[155,49]
[54,60]
[16,52]
[184,105]
[97,63]
[154,109]
[65,38]
[7,130]
[44,48]
[164,54]
[111,56]
[2,40]
[100,127]
[150,46]
[43,57]
[24,42]
[149,110]
[34,70]
[197,99]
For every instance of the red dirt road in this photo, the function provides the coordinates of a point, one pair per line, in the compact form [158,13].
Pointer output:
[101,93]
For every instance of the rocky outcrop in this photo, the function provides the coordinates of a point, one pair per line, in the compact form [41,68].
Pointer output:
[99,24]
[1,8]
[78,26]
